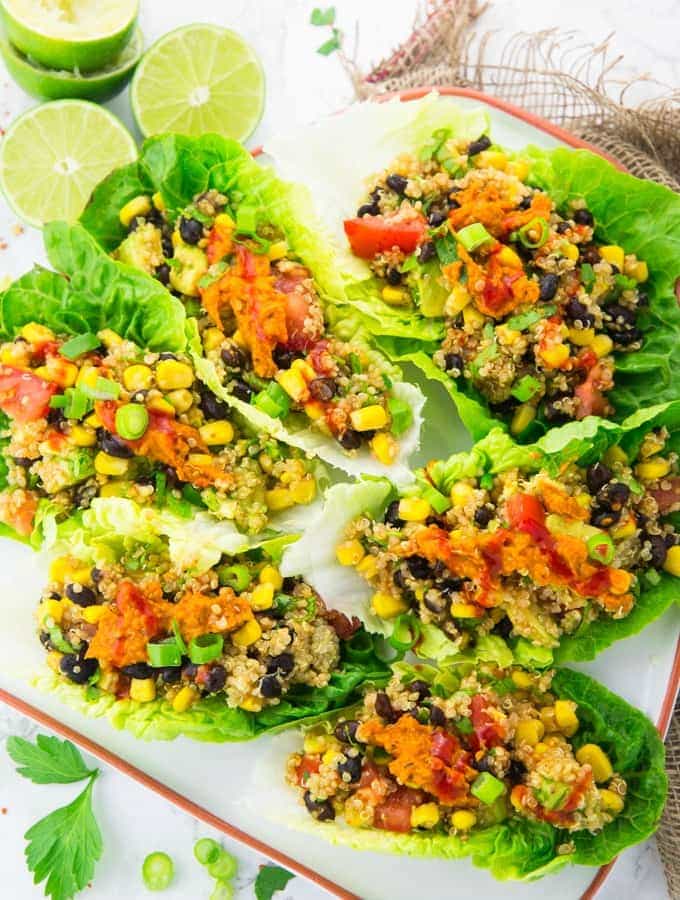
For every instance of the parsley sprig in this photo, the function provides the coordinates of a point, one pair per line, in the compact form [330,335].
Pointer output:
[323,18]
[64,846]
[271,879]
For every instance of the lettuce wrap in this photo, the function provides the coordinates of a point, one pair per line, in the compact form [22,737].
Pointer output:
[413,602]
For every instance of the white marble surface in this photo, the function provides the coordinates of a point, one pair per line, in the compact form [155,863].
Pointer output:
[301,86]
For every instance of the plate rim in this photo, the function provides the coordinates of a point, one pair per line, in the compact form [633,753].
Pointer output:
[199,812]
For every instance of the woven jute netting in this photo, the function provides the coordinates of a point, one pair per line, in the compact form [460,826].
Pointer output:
[573,85]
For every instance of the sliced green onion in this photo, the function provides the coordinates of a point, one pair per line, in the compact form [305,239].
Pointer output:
[524,320]
[78,405]
[76,346]
[384,650]
[237,577]
[601,548]
[104,389]
[207,851]
[587,276]
[205,648]
[487,788]
[179,640]
[132,420]
[58,640]
[179,507]
[193,495]
[164,653]
[359,647]
[652,577]
[401,414]
[223,890]
[158,871]
[438,501]
[273,401]
[355,363]
[473,236]
[524,233]
[526,388]
[224,868]
[486,481]
[406,632]
[58,401]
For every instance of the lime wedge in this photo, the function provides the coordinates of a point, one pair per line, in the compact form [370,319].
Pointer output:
[53,156]
[70,34]
[198,79]
[51,84]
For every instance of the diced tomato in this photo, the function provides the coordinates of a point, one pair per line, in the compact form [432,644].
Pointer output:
[449,785]
[523,510]
[668,499]
[444,746]
[19,512]
[309,765]
[591,400]
[298,322]
[369,773]
[488,732]
[370,235]
[24,396]
[394,814]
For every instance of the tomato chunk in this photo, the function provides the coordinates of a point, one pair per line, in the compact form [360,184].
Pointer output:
[523,511]
[370,235]
[488,732]
[23,396]
[394,814]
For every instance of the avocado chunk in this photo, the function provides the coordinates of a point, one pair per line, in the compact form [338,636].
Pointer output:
[432,294]
[190,265]
[142,249]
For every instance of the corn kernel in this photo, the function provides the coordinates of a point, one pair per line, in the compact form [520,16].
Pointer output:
[395,296]
[16,355]
[522,680]
[462,494]
[93,421]
[143,690]
[602,345]
[570,251]
[653,469]
[491,159]
[200,459]
[369,418]
[137,378]
[247,634]
[217,433]
[92,614]
[368,566]
[457,300]
[529,731]
[613,254]
[294,384]
[463,820]
[472,318]
[50,609]
[349,553]
[60,371]
[384,448]
[181,399]
[555,356]
[625,529]
[271,575]
[138,206]
[158,201]
[279,498]
[523,417]
[565,717]
[315,410]
[251,704]
[464,611]
[385,606]
[597,759]
[161,405]
[212,338]
[304,368]
[184,699]
[54,659]
[425,816]
[506,256]
[109,338]
[330,757]
[582,337]
[80,436]
[414,509]
[672,562]
[172,375]
[315,743]
[277,250]
[67,568]
[637,270]
[115,489]
[615,455]
[507,336]
[105,464]
[519,168]
[304,491]
[87,377]
[37,334]
[611,801]
[262,596]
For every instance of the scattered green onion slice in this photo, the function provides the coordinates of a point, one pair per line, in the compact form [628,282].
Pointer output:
[164,653]
[526,388]
[587,276]
[402,416]
[384,650]
[438,501]
[224,868]
[78,403]
[359,647]
[205,648]
[207,851]
[273,401]
[406,632]
[487,788]
[236,577]
[179,640]
[132,420]
[104,389]
[193,495]
[601,548]
[355,363]
[473,236]
[158,871]
[537,224]
[58,401]
[223,890]
[76,346]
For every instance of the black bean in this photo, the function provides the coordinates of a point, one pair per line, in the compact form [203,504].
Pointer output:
[215,679]
[583,217]
[482,143]
[503,628]
[80,594]
[452,203]
[454,364]
[658,549]
[548,286]
[437,717]
[436,217]
[351,439]
[135,222]
[588,253]
[242,391]
[113,445]
[290,582]
[55,417]
[233,357]
[167,355]
[167,247]
[553,413]
[483,515]
[613,495]
[397,183]
[422,688]
[284,358]
[171,479]
[525,202]
[392,515]
[562,227]
[418,566]
[283,663]
[671,539]
[516,771]
[23,462]
[383,707]
[426,252]
[138,670]
[399,578]
[604,518]
[44,638]
[352,767]
[211,406]
[643,298]
[597,475]
[485,764]
[171,674]
[189,670]
[393,276]
[76,669]
[322,389]
[270,686]
[369,209]
[626,338]
[190,230]
[436,603]
[450,586]
[321,810]
[621,316]
[575,311]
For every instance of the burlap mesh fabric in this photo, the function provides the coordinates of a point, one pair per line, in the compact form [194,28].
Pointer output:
[548,75]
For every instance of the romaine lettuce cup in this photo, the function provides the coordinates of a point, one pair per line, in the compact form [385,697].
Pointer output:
[92,411]
[537,286]
[170,628]
[275,336]
[550,551]
[521,773]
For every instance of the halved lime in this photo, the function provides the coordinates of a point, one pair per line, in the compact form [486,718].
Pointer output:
[198,79]
[53,156]
[50,84]
[70,34]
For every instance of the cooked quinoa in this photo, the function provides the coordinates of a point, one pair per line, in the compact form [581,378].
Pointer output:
[423,758]
[522,554]
[262,323]
[116,420]
[533,305]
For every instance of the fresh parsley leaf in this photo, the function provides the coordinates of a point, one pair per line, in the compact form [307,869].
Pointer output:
[48,761]
[271,879]
[64,847]
[323,16]
[332,44]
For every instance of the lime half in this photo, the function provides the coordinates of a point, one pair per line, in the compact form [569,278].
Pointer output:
[50,84]
[198,79]
[53,156]
[70,34]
